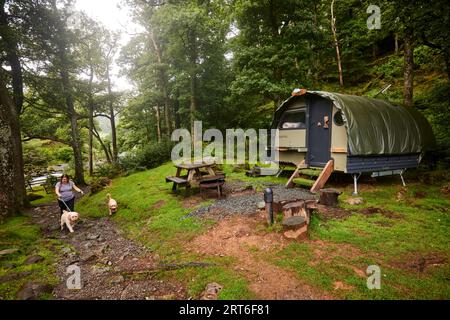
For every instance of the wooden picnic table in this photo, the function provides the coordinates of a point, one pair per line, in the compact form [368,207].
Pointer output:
[193,170]
[194,174]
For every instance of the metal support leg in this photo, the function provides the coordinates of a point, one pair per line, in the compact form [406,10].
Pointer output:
[279,172]
[401,176]
[355,183]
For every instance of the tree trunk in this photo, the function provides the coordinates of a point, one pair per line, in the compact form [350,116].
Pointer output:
[277,71]
[11,197]
[158,124]
[17,102]
[409,69]
[12,57]
[176,108]
[163,84]
[336,45]
[91,124]
[112,119]
[193,56]
[167,113]
[396,43]
[102,144]
[193,105]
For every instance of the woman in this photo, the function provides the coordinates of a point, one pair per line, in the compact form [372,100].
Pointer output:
[64,191]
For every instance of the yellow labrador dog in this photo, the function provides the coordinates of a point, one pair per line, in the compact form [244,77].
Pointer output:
[69,219]
[112,205]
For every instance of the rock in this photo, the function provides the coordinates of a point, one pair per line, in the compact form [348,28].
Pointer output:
[66,250]
[8,251]
[354,201]
[73,258]
[88,245]
[91,236]
[99,270]
[211,291]
[89,256]
[296,234]
[261,205]
[14,276]
[117,279]
[33,260]
[33,290]
[54,227]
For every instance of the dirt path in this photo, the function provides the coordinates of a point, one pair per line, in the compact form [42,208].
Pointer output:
[238,237]
[112,267]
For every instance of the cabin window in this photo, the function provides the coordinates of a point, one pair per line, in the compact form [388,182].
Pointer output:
[338,118]
[293,119]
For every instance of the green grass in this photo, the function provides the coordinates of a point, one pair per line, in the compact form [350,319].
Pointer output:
[152,214]
[19,233]
[42,194]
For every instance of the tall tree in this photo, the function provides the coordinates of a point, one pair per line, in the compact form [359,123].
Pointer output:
[10,49]
[11,197]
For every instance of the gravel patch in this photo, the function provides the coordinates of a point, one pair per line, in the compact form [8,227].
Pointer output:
[246,204]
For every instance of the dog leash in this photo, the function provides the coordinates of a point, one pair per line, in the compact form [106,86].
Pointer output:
[66,203]
[60,199]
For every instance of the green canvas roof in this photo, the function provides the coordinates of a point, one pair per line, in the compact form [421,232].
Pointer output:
[376,127]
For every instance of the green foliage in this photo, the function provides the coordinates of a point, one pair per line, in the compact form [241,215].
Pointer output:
[38,155]
[109,170]
[97,184]
[147,157]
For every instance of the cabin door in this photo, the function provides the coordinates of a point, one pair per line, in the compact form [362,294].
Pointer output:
[319,131]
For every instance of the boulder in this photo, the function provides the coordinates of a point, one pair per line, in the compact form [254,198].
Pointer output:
[8,251]
[33,291]
[354,201]
[211,291]
[33,260]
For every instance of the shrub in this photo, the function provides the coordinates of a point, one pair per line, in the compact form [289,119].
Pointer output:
[148,157]
[99,183]
[109,170]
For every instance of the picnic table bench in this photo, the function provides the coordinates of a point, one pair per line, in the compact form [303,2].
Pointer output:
[196,177]
[42,181]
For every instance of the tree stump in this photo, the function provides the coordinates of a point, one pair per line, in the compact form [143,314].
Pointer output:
[295,208]
[329,197]
[295,227]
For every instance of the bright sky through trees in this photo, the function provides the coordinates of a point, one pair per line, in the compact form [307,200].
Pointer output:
[116,16]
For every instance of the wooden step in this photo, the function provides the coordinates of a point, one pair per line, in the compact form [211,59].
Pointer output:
[304,182]
[310,172]
[323,177]
[296,174]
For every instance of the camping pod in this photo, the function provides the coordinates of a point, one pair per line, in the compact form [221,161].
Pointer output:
[359,134]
